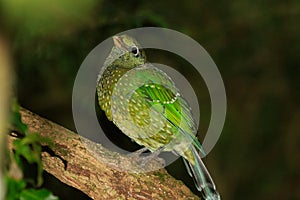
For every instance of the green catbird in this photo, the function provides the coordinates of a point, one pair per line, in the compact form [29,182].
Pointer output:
[144,103]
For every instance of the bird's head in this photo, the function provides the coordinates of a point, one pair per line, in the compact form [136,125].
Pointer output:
[128,52]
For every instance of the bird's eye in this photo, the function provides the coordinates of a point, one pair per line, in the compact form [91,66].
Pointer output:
[135,51]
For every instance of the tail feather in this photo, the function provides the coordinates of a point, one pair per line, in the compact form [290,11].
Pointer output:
[202,178]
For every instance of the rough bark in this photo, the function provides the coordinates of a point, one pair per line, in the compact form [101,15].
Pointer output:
[70,161]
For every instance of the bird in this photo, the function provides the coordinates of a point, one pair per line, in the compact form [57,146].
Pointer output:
[145,104]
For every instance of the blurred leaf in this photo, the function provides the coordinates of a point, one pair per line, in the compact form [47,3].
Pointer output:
[25,150]
[14,188]
[42,194]
[16,120]
[28,147]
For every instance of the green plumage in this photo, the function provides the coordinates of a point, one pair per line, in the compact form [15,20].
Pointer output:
[145,105]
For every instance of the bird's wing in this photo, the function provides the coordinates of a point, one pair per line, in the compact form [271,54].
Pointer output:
[148,87]
[160,89]
[176,110]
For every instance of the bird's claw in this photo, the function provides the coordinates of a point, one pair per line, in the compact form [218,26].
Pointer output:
[143,161]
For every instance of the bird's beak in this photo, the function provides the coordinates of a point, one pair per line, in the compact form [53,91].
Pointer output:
[118,42]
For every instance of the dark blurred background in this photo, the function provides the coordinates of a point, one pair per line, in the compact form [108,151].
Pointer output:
[254,44]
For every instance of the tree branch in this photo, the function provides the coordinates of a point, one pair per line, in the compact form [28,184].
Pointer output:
[69,161]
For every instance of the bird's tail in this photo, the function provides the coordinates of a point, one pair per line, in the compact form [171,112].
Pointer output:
[203,180]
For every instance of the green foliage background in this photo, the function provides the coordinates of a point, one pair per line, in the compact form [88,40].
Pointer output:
[254,44]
